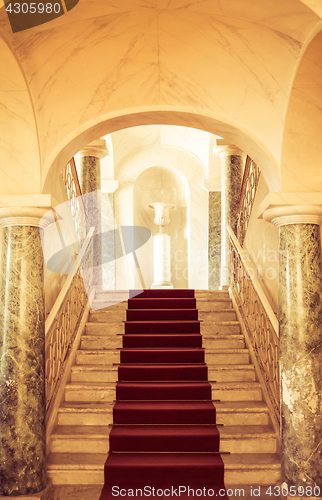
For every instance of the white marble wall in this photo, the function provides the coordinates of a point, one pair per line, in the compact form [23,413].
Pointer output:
[261,247]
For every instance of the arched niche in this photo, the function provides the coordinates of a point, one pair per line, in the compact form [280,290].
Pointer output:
[166,185]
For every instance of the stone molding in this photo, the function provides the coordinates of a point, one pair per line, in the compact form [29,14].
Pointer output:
[282,217]
[281,209]
[25,216]
[223,150]
[98,149]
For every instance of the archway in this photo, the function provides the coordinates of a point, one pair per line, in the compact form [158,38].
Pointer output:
[171,115]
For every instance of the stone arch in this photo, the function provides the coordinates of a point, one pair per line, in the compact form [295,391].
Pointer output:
[171,115]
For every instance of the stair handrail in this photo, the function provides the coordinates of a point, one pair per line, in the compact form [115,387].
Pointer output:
[259,319]
[63,320]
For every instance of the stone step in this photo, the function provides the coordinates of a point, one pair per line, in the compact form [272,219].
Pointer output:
[85,413]
[107,316]
[95,439]
[101,342]
[212,294]
[228,413]
[247,439]
[102,392]
[76,469]
[223,314]
[242,413]
[80,439]
[216,373]
[223,342]
[115,341]
[205,304]
[231,373]
[108,329]
[87,392]
[212,356]
[227,356]
[112,295]
[212,328]
[94,373]
[99,357]
[88,469]
[236,391]
[251,468]
[109,305]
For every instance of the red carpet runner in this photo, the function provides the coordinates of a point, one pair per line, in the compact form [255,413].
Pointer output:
[164,434]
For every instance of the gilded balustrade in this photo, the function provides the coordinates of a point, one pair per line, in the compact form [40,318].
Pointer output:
[247,197]
[65,316]
[259,319]
[63,321]
[74,195]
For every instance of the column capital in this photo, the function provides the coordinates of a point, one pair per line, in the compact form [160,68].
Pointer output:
[223,149]
[96,148]
[26,216]
[282,209]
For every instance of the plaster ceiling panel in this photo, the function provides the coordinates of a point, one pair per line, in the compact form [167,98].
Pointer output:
[235,70]
[289,17]
[97,65]
[11,78]
[201,55]
[85,10]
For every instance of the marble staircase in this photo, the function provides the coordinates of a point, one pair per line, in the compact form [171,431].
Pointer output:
[80,441]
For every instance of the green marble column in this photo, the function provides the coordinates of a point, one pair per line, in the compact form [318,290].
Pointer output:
[90,182]
[232,163]
[22,363]
[300,317]
[214,240]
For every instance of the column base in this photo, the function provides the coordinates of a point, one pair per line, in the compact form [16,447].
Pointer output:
[42,495]
[156,285]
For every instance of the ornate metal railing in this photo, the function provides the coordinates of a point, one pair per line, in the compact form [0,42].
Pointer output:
[64,318]
[246,199]
[74,195]
[259,319]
